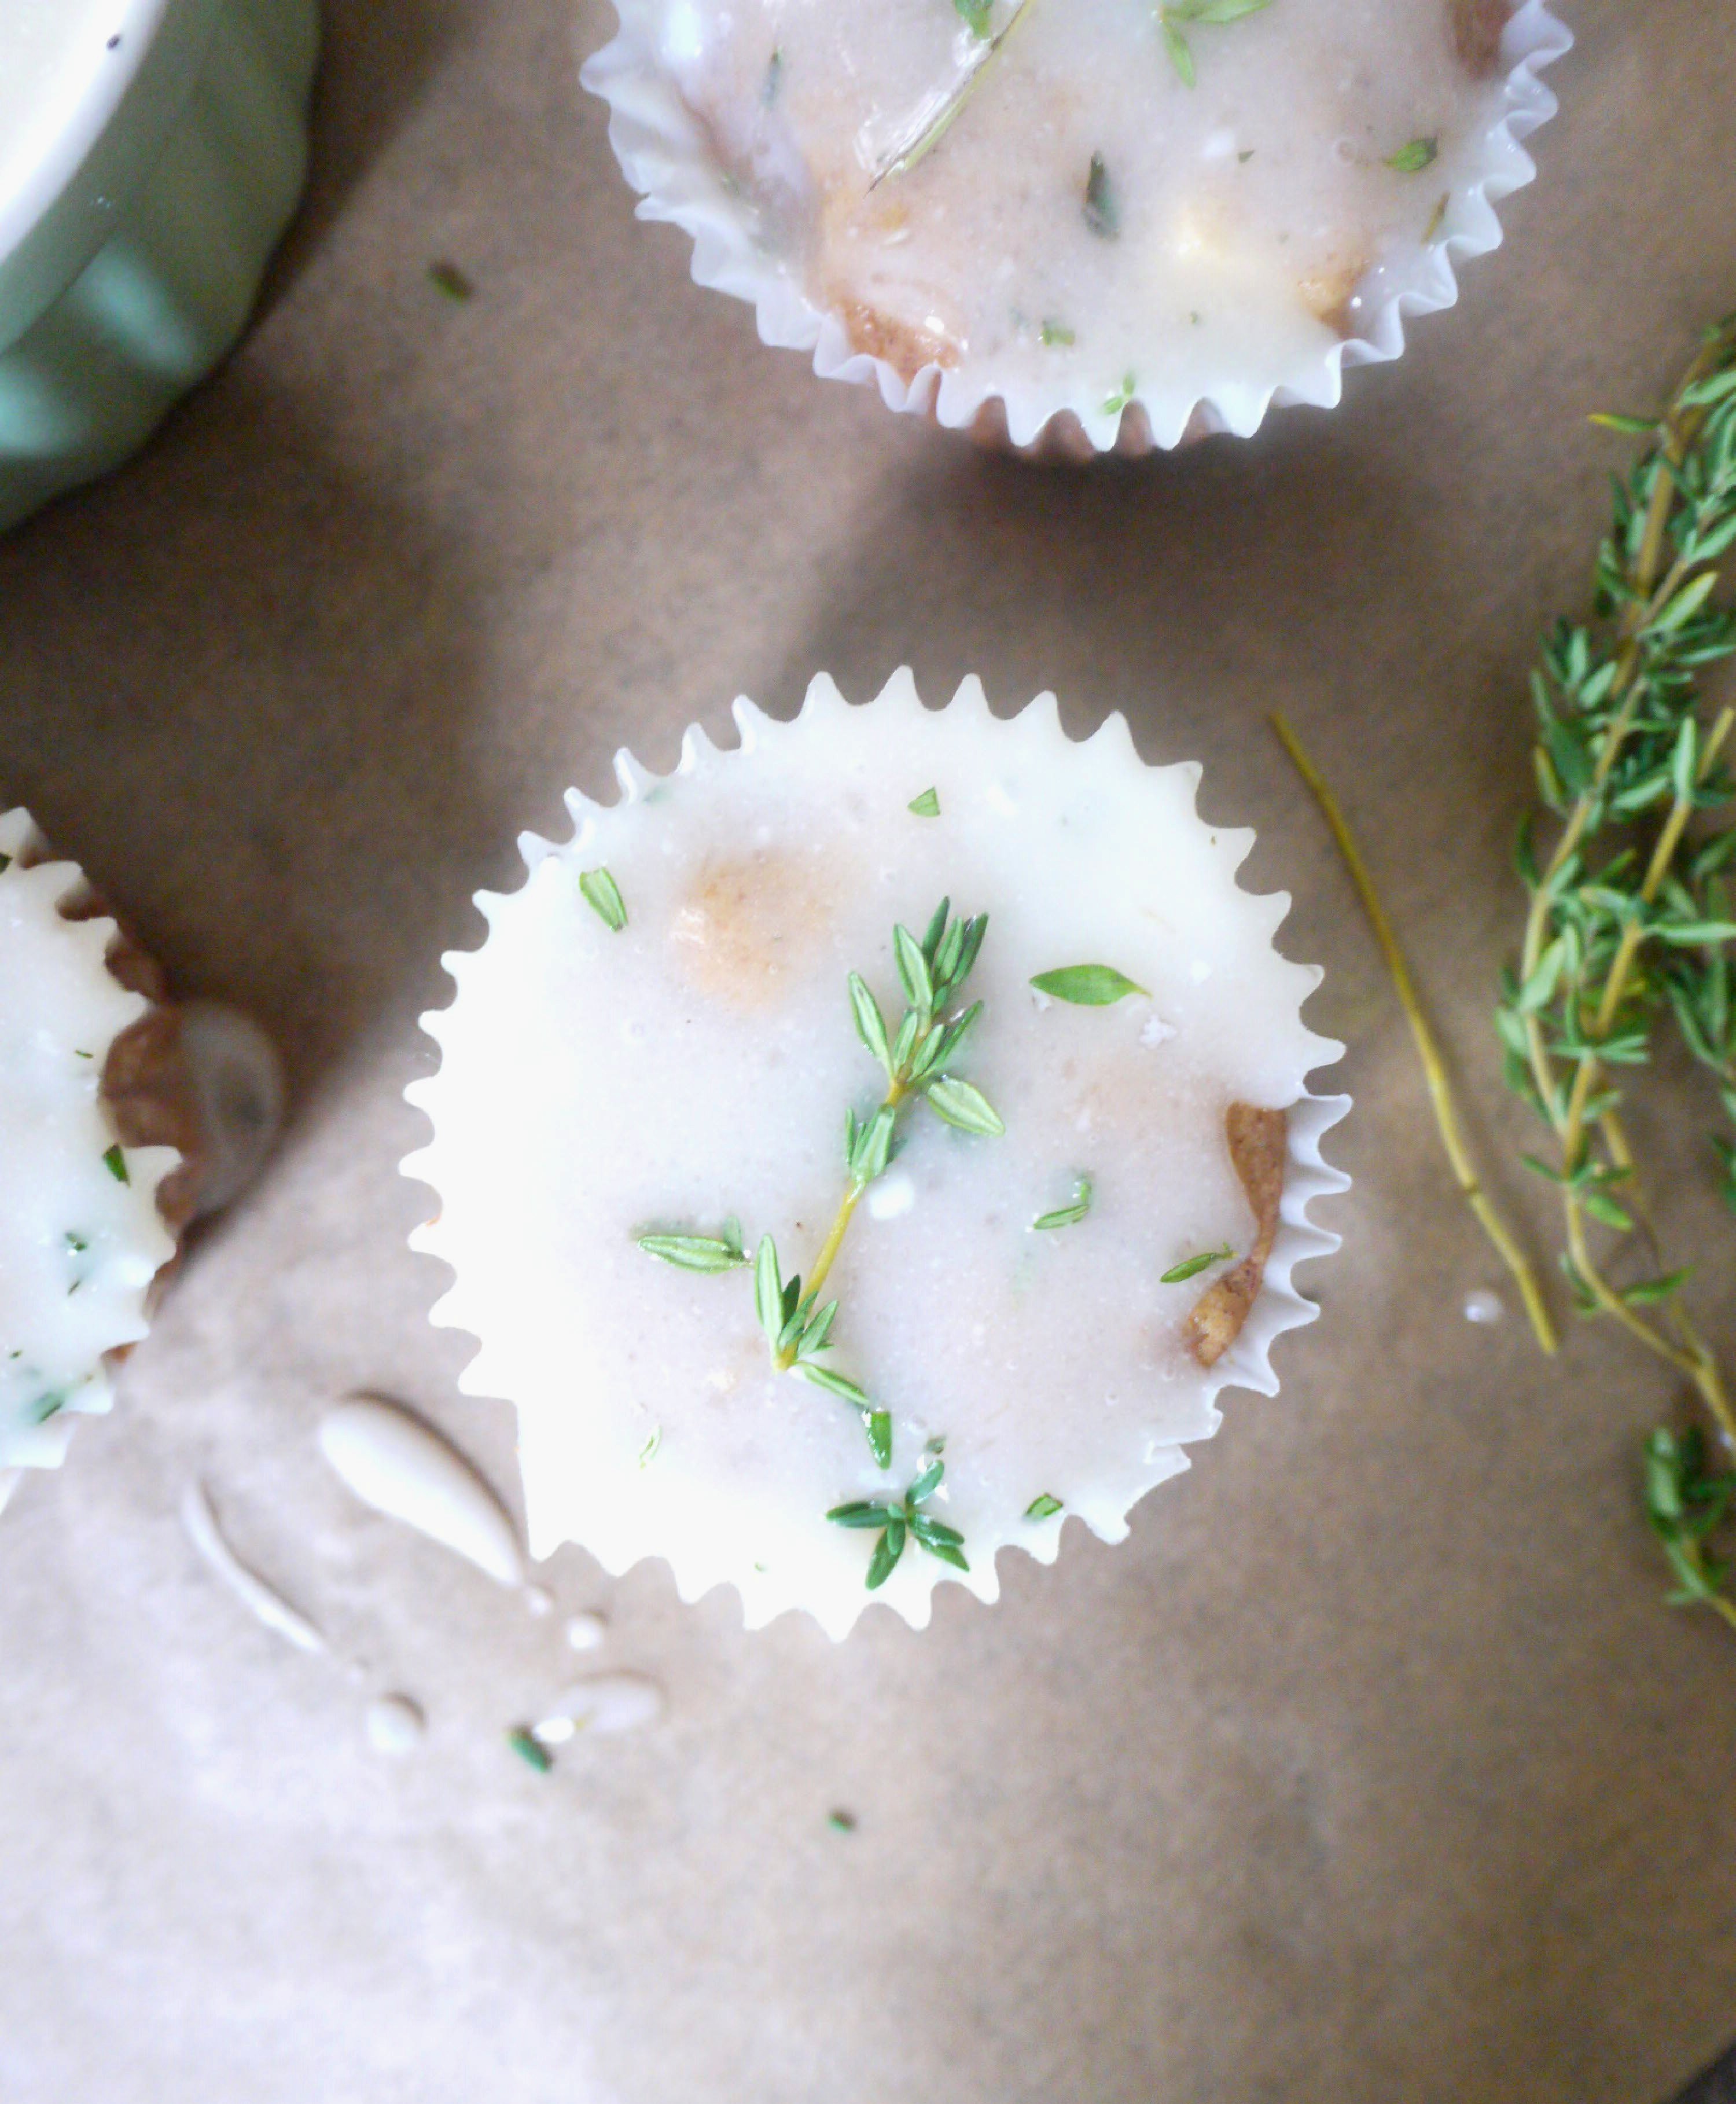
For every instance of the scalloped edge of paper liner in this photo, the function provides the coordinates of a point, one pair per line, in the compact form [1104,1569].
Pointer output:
[1278,1308]
[45,1445]
[662,151]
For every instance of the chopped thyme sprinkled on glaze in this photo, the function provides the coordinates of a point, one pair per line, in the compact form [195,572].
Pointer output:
[1118,398]
[1191,1267]
[1102,210]
[975,14]
[1213,13]
[1437,217]
[1086,986]
[1412,158]
[115,1163]
[1058,333]
[841,1821]
[1067,1216]
[900,1520]
[1042,1507]
[927,805]
[648,1452]
[530,1750]
[44,1407]
[601,893]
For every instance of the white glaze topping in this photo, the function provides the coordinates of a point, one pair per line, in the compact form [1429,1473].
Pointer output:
[394,1725]
[402,1467]
[265,1604]
[81,1239]
[1233,227]
[698,1063]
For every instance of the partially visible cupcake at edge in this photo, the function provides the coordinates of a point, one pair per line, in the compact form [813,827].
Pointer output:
[871,1147]
[1143,223]
[123,1115]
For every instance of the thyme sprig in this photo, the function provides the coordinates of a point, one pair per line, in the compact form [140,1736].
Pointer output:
[1630,919]
[917,1060]
[901,1520]
[1629,923]
[931,128]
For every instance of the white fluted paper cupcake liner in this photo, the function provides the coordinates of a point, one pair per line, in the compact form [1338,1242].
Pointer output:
[469,1303]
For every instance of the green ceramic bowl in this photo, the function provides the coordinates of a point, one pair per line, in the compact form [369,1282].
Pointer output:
[152,153]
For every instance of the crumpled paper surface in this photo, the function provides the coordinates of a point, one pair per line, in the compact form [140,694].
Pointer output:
[1372,1765]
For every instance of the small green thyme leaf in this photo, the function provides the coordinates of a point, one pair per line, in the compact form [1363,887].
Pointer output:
[1042,1507]
[1411,159]
[962,1104]
[975,14]
[878,1424]
[603,895]
[841,1821]
[768,1289]
[530,1750]
[648,1452]
[1102,208]
[1117,400]
[44,1407]
[115,1163]
[1067,1216]
[1086,986]
[1191,1267]
[1437,217]
[887,1552]
[927,805]
[75,1243]
[1053,333]
[700,1253]
[871,1026]
[1181,57]
[447,278]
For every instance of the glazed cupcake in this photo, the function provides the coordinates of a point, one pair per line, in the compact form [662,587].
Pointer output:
[862,1150]
[122,1115]
[1129,225]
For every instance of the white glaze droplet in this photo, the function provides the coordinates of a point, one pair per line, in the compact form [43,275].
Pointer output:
[1155,1030]
[611,1702]
[553,1731]
[538,1601]
[586,1631]
[404,1469]
[890,1195]
[1483,1307]
[394,1725]
[258,1598]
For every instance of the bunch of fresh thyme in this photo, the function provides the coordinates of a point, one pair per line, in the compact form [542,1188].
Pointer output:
[916,1059]
[1631,921]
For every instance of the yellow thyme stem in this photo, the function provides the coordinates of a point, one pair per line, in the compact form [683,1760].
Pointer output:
[840,1228]
[1434,1065]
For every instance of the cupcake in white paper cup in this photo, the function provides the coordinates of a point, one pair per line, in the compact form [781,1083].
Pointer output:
[122,1115]
[1081,223]
[860,1151]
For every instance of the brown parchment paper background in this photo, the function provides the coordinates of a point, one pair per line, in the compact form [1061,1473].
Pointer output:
[1371,1768]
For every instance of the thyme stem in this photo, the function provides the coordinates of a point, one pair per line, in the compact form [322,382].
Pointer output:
[840,1226]
[1434,1065]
